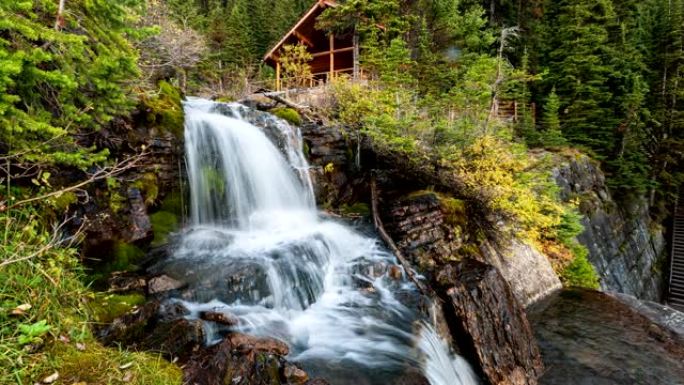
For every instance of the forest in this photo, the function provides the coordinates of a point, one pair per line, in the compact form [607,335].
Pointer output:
[603,78]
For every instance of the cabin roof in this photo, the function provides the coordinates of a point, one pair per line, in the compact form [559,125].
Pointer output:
[308,18]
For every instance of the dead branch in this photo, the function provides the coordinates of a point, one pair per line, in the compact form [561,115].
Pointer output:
[56,240]
[101,174]
[279,99]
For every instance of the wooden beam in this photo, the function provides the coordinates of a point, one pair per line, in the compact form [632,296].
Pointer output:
[278,75]
[326,53]
[303,39]
[350,69]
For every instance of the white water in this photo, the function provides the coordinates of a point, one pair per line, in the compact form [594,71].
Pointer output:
[259,250]
[441,367]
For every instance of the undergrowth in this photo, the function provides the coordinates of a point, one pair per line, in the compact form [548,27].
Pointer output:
[44,314]
[516,189]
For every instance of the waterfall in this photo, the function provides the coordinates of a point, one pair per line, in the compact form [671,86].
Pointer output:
[257,249]
[440,366]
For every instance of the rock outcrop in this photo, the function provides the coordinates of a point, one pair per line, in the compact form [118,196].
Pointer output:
[627,249]
[418,223]
[488,323]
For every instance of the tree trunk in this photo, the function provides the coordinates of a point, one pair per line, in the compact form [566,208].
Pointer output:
[59,21]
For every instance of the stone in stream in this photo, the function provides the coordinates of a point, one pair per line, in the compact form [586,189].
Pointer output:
[241,360]
[163,283]
[219,318]
[488,323]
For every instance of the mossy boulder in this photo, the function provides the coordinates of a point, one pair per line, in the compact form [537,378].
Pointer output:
[288,114]
[165,109]
[106,307]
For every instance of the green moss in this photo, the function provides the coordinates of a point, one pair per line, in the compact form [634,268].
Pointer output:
[359,209]
[148,185]
[225,99]
[106,307]
[62,202]
[165,109]
[288,114]
[455,212]
[163,223]
[123,257]
[173,203]
[98,365]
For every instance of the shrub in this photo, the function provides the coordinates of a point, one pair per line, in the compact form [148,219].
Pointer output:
[580,272]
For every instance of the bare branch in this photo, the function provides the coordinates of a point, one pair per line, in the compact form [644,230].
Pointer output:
[101,174]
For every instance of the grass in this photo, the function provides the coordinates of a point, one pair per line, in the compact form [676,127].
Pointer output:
[45,310]
[96,365]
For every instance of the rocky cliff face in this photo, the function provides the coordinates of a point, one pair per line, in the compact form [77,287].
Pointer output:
[626,248]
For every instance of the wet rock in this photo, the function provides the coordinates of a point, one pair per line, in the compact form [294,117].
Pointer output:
[295,375]
[317,381]
[126,282]
[175,338]
[171,311]
[140,226]
[594,338]
[163,283]
[246,343]
[129,327]
[488,323]
[395,272]
[219,318]
[155,327]
[239,360]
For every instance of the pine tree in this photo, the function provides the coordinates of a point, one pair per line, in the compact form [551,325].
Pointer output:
[55,82]
[552,135]
[578,68]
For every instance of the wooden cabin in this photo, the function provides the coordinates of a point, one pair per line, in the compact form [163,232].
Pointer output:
[332,55]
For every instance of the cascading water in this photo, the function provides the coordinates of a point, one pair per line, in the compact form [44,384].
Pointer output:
[258,250]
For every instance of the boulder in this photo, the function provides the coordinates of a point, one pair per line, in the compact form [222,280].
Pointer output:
[219,318]
[488,323]
[163,283]
[240,360]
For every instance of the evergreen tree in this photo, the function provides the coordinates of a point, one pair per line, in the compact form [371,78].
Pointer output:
[578,68]
[55,82]
[552,135]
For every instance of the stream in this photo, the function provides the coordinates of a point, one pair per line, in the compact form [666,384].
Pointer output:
[257,249]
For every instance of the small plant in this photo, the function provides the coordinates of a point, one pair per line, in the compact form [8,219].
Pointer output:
[33,333]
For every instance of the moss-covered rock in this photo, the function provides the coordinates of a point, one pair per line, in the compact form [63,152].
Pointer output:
[165,110]
[289,114]
[163,223]
[148,184]
[106,307]
[355,209]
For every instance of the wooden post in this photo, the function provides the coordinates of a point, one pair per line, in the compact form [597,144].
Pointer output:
[356,55]
[278,75]
[332,58]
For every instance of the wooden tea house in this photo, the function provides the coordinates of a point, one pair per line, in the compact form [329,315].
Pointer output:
[331,54]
